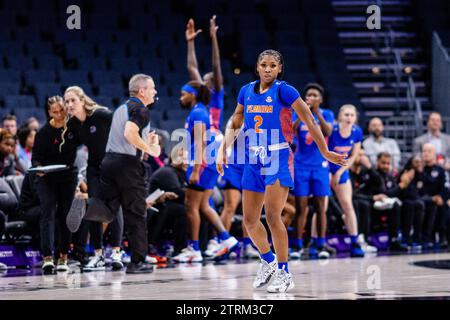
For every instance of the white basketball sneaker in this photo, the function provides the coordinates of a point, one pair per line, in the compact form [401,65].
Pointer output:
[282,282]
[188,255]
[265,273]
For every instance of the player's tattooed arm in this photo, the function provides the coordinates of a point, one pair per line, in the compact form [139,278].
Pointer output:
[192,64]
[217,70]
[305,115]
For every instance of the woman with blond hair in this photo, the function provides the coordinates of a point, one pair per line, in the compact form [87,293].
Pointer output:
[346,139]
[92,123]
[56,189]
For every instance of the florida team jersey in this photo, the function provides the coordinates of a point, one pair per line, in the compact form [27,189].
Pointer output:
[268,113]
[216,107]
[198,114]
[342,145]
[307,153]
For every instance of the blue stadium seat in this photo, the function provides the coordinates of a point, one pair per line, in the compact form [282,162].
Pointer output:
[96,35]
[111,89]
[20,63]
[11,48]
[6,34]
[23,114]
[79,50]
[33,76]
[49,62]
[14,102]
[143,51]
[9,88]
[73,77]
[27,34]
[9,75]
[100,77]
[130,37]
[64,35]
[90,63]
[44,90]
[39,48]
[111,50]
[118,64]
[105,101]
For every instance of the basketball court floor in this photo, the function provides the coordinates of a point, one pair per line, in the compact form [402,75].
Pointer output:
[413,276]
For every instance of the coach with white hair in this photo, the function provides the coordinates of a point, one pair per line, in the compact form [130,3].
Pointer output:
[123,173]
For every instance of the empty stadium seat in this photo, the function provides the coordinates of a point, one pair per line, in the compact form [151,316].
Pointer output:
[17,101]
[9,88]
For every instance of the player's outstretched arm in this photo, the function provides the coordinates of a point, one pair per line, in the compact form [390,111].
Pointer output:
[217,70]
[192,64]
[305,115]
[231,133]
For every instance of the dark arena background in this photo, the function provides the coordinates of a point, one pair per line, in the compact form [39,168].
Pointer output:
[388,58]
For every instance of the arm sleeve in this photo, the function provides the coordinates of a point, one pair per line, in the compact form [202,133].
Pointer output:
[138,115]
[288,94]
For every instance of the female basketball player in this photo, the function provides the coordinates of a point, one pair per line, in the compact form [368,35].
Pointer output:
[264,107]
[93,123]
[201,177]
[346,139]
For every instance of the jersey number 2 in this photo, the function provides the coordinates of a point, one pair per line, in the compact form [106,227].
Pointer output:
[259,121]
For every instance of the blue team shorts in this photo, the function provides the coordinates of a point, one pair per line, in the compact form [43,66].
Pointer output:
[254,180]
[345,176]
[232,177]
[208,178]
[313,181]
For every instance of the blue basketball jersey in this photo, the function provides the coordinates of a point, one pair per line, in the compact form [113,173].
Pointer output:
[268,113]
[342,145]
[307,153]
[199,114]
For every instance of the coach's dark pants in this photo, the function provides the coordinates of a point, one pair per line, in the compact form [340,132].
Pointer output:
[55,192]
[93,228]
[122,182]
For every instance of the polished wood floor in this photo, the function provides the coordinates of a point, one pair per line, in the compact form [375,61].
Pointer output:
[377,277]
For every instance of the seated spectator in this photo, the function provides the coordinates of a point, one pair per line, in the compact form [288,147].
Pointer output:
[432,194]
[377,143]
[26,142]
[439,140]
[413,207]
[172,212]
[9,124]
[387,193]
[7,146]
[32,123]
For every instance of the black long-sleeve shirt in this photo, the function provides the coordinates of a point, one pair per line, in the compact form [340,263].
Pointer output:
[46,150]
[434,182]
[366,183]
[94,133]
[169,179]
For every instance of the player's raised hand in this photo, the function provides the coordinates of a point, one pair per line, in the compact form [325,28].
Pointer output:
[213,27]
[336,158]
[190,30]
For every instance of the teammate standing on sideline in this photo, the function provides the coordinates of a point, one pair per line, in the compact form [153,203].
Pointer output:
[201,176]
[93,123]
[122,176]
[264,106]
[311,173]
[213,80]
[346,139]
[55,145]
